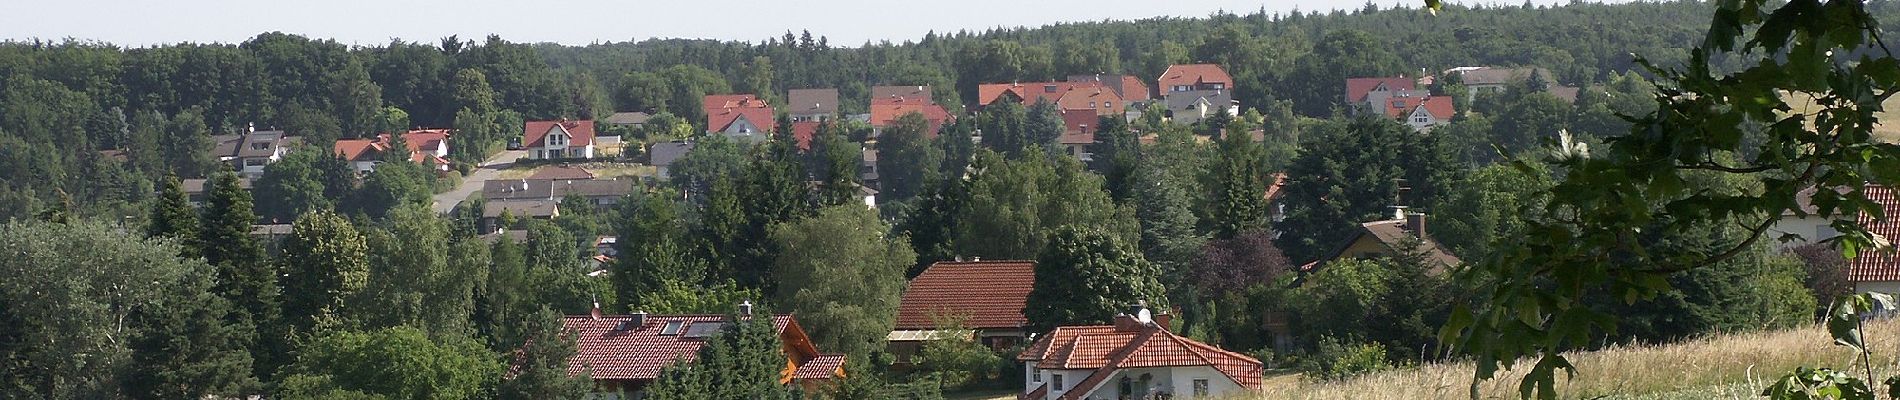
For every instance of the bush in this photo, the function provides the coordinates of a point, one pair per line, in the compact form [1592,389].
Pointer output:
[1334,359]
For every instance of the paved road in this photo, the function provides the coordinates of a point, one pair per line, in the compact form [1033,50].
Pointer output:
[446,201]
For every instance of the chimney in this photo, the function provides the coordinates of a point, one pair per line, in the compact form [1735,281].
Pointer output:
[596,312]
[745,308]
[639,319]
[1165,321]
[1398,213]
[1416,223]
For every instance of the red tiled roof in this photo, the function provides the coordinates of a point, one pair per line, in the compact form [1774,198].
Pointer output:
[1194,74]
[1878,266]
[425,138]
[1277,188]
[357,149]
[582,132]
[724,109]
[1105,348]
[824,366]
[1028,92]
[803,131]
[1041,392]
[885,114]
[608,352]
[1356,88]
[1441,107]
[1133,89]
[1079,126]
[990,293]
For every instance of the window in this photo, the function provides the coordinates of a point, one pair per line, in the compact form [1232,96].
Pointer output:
[1200,386]
[1056,380]
[1398,104]
[672,328]
[1035,375]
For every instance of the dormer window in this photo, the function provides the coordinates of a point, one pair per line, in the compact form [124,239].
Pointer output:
[672,328]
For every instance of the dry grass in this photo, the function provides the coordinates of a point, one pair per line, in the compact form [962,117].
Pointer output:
[1720,367]
[1884,131]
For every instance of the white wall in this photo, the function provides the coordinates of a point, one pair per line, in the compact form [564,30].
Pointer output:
[1882,287]
[1217,384]
[1811,228]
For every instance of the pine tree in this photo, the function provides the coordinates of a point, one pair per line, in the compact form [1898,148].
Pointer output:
[838,162]
[1240,186]
[185,348]
[776,192]
[244,276]
[721,221]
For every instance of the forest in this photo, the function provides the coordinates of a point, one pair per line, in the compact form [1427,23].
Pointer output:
[121,285]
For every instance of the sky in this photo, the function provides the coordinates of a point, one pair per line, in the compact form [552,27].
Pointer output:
[579,22]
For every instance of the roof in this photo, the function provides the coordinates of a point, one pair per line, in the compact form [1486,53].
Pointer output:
[724,109]
[561,172]
[358,149]
[664,154]
[1441,107]
[886,114]
[607,349]
[1401,106]
[811,101]
[425,139]
[1357,88]
[541,208]
[225,145]
[627,118]
[270,229]
[1028,92]
[824,366]
[1878,266]
[1496,76]
[271,140]
[1106,348]
[1079,126]
[554,189]
[1566,93]
[535,131]
[990,293]
[1194,75]
[803,131]
[1393,234]
[1277,188]
[198,185]
[1129,87]
[900,94]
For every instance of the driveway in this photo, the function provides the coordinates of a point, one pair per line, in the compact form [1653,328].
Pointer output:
[446,201]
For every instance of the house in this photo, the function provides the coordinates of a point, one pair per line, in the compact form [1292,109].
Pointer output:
[1362,91]
[428,147]
[1811,227]
[518,236]
[1065,95]
[662,155]
[1136,357]
[988,295]
[885,114]
[1194,77]
[1191,107]
[624,353]
[811,104]
[558,139]
[1388,238]
[561,172]
[493,210]
[743,117]
[1134,93]
[250,151]
[901,94]
[600,193]
[195,188]
[1878,271]
[1420,113]
[803,132]
[633,119]
[1495,80]
[1196,91]
[1078,133]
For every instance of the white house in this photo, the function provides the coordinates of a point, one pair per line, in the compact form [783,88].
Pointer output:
[743,117]
[249,151]
[563,139]
[1137,357]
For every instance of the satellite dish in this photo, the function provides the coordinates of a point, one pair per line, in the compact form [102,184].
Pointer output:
[1144,317]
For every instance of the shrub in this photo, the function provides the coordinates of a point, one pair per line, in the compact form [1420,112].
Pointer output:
[1334,359]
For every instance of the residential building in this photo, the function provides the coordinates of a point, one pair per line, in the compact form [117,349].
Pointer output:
[1196,91]
[561,172]
[987,295]
[1194,77]
[600,193]
[803,132]
[901,94]
[493,210]
[426,147]
[1808,224]
[624,353]
[1878,271]
[250,151]
[1065,95]
[195,188]
[1420,113]
[1138,357]
[1404,233]
[1134,93]
[743,117]
[811,104]
[662,155]
[558,139]
[885,114]
[1078,133]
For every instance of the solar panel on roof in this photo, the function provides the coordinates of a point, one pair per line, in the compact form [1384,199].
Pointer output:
[704,329]
[672,327]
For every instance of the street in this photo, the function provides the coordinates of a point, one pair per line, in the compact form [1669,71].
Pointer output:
[446,201]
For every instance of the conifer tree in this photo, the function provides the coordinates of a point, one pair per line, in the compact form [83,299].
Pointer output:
[244,276]
[173,216]
[654,247]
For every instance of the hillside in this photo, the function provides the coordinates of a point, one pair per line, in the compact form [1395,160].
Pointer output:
[1722,366]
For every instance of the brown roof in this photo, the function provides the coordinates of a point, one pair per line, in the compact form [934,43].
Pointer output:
[821,367]
[521,208]
[990,293]
[1194,75]
[1357,88]
[803,131]
[1394,235]
[811,101]
[358,149]
[561,172]
[582,132]
[1878,266]
[1106,348]
[609,348]
[900,94]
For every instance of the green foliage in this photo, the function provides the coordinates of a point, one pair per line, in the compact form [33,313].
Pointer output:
[1652,179]
[292,186]
[1350,173]
[907,162]
[742,362]
[394,185]
[1240,184]
[841,273]
[956,356]
[541,371]
[1491,204]
[1014,205]
[412,280]
[655,247]
[1335,359]
[397,363]
[1088,275]
[325,262]
[173,216]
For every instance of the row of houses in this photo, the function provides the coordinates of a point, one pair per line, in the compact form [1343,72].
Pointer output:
[1403,98]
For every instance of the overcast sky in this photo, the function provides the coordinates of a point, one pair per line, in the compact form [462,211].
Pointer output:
[372,22]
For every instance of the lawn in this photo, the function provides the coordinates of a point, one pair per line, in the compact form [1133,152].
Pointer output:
[982,394]
[1885,131]
[1735,366]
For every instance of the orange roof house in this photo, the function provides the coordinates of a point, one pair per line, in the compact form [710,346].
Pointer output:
[626,352]
[1877,271]
[1137,357]
[425,146]
[556,139]
[989,295]
[1358,88]
[1191,77]
[1066,95]
[739,114]
[885,114]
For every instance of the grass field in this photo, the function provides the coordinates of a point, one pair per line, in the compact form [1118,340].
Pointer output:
[1719,367]
[1888,130]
